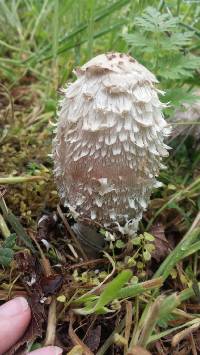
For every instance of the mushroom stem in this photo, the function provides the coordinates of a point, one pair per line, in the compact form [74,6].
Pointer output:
[91,241]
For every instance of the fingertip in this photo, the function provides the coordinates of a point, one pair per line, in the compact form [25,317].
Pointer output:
[48,350]
[15,316]
[14,307]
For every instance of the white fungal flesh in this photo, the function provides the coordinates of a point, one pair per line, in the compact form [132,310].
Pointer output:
[109,140]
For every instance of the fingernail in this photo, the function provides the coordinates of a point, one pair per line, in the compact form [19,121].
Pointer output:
[48,350]
[14,307]
[58,351]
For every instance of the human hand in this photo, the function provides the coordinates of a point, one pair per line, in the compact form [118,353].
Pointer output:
[15,316]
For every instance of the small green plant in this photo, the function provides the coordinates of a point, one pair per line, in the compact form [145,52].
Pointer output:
[143,247]
[145,242]
[162,44]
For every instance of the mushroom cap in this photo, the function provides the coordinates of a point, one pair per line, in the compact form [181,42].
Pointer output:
[109,140]
[117,63]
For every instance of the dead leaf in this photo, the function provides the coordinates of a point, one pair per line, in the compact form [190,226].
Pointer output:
[93,338]
[162,247]
[51,284]
[26,262]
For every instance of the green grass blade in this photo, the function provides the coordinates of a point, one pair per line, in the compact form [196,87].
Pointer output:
[67,47]
[135,290]
[16,225]
[44,53]
[111,290]
[178,253]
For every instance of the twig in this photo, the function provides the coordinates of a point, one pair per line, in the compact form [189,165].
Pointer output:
[193,346]
[136,322]
[184,333]
[150,322]
[51,325]
[10,180]
[44,261]
[85,264]
[128,323]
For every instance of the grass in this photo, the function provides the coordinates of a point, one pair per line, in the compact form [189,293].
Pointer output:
[129,296]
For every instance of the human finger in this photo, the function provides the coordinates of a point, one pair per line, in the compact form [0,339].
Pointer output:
[48,350]
[15,316]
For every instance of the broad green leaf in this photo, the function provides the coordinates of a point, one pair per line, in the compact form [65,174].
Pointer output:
[10,241]
[110,291]
[6,255]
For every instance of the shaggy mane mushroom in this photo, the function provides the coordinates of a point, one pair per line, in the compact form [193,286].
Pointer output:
[109,140]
